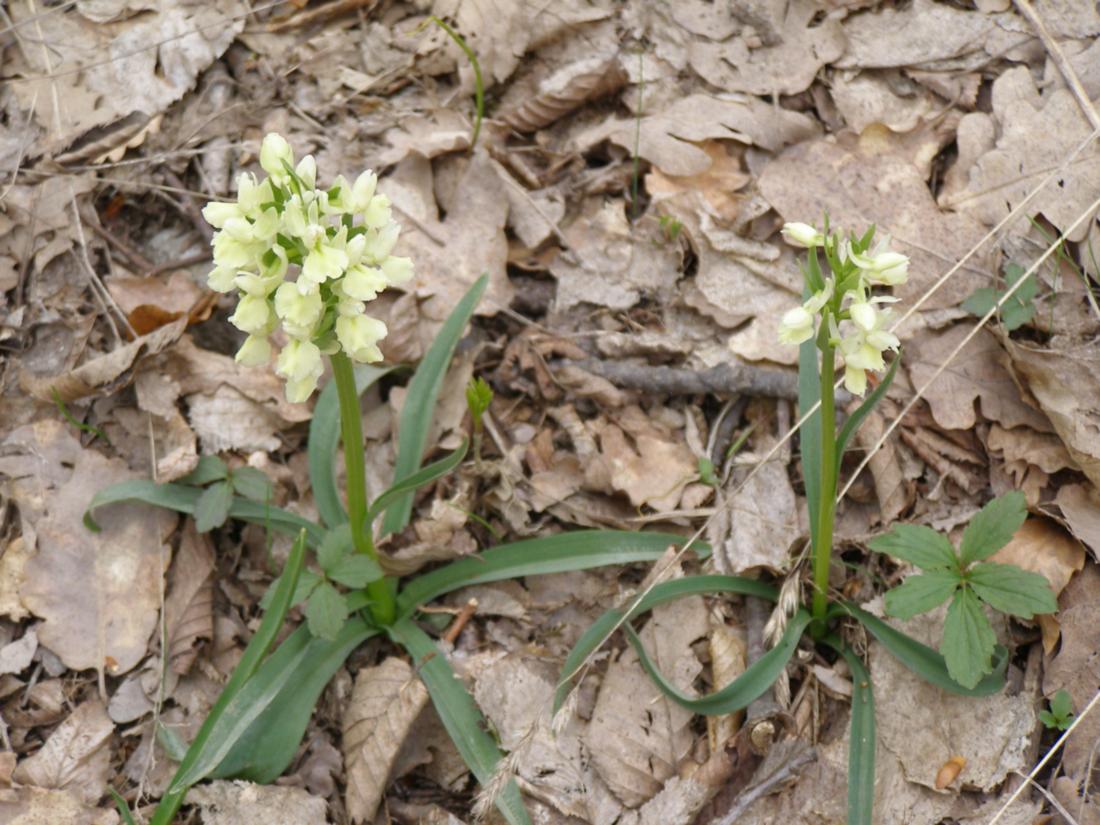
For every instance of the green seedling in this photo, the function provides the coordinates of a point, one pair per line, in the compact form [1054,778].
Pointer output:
[1060,714]
[1020,306]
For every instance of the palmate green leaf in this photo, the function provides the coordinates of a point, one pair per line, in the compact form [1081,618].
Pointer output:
[992,527]
[855,419]
[1010,589]
[425,475]
[210,468]
[336,544]
[326,611]
[356,571]
[919,545]
[921,659]
[598,632]
[968,640]
[183,499]
[216,735]
[419,407]
[324,436]
[251,483]
[921,593]
[267,746]
[460,715]
[861,739]
[561,553]
[212,507]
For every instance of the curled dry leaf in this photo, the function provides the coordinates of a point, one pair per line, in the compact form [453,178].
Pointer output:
[385,703]
[105,374]
[1080,505]
[638,737]
[243,803]
[565,90]
[189,606]
[76,757]
[16,656]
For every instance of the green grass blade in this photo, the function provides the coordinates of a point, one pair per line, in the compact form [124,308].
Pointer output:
[479,83]
[183,499]
[856,418]
[459,713]
[426,475]
[809,435]
[123,808]
[250,661]
[739,693]
[266,745]
[578,550]
[324,436]
[598,632]
[416,415]
[923,660]
[861,739]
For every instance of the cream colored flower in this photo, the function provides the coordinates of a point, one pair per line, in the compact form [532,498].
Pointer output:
[359,336]
[253,315]
[802,234]
[298,311]
[797,324]
[254,352]
[275,156]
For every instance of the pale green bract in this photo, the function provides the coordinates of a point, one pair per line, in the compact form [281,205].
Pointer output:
[306,260]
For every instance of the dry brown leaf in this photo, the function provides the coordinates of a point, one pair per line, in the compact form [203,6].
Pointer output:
[385,702]
[1076,668]
[891,490]
[757,525]
[611,263]
[39,221]
[76,757]
[113,78]
[977,372]
[667,139]
[243,803]
[99,593]
[794,49]
[1027,150]
[105,374]
[438,133]
[638,737]
[16,656]
[453,253]
[13,565]
[38,806]
[831,176]
[1043,450]
[1066,383]
[1080,505]
[566,89]
[189,605]
[717,186]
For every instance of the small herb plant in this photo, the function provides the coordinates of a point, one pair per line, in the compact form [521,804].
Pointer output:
[1018,309]
[1060,714]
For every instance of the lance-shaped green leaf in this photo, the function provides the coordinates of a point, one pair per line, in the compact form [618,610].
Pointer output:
[968,640]
[861,739]
[993,526]
[919,545]
[921,593]
[459,714]
[1010,589]
[408,485]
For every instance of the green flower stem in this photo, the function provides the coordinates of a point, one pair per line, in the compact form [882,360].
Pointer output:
[826,509]
[383,606]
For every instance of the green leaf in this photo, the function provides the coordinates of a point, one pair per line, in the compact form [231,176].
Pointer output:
[123,808]
[356,571]
[1010,589]
[210,468]
[251,483]
[921,593]
[307,583]
[993,526]
[460,715]
[864,409]
[861,739]
[919,545]
[479,395]
[426,475]
[921,659]
[739,693]
[284,692]
[1062,704]
[419,407]
[577,550]
[212,508]
[326,611]
[981,301]
[184,499]
[324,435]
[336,544]
[599,631]
[218,732]
[968,640]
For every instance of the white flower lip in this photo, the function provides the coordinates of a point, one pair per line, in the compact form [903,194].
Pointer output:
[305,260]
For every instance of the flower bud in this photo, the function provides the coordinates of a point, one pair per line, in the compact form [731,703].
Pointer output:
[397,270]
[307,172]
[802,234]
[275,156]
[797,326]
[863,315]
[217,213]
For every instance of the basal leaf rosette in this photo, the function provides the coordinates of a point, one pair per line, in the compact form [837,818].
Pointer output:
[851,320]
[307,260]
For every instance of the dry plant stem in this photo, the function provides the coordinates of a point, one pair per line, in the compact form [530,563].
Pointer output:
[826,508]
[761,716]
[771,783]
[382,607]
[725,379]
